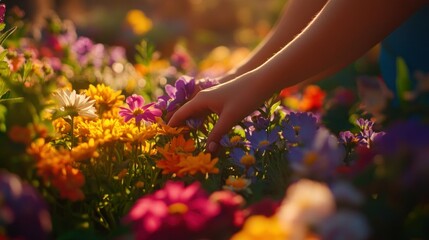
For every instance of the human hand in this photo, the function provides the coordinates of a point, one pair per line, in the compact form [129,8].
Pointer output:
[231,101]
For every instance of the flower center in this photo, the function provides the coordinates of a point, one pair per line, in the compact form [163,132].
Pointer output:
[237,183]
[137,112]
[310,158]
[296,128]
[248,160]
[235,139]
[264,143]
[177,208]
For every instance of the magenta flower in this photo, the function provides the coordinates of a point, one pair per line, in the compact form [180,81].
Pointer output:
[174,212]
[138,110]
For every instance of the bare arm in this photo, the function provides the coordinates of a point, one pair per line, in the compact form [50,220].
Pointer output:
[297,14]
[342,31]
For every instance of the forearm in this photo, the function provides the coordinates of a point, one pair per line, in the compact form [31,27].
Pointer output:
[342,32]
[296,16]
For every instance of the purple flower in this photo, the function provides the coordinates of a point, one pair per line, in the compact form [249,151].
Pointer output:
[2,12]
[181,92]
[407,142]
[138,110]
[300,127]
[348,138]
[87,52]
[207,82]
[174,212]
[232,141]
[23,213]
[244,159]
[256,121]
[262,140]
[319,158]
[194,123]
[82,47]
[367,135]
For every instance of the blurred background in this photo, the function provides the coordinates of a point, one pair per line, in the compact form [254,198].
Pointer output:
[200,25]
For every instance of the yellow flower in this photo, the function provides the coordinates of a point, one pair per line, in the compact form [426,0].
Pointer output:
[101,130]
[138,21]
[61,126]
[106,99]
[201,163]
[84,151]
[132,133]
[261,227]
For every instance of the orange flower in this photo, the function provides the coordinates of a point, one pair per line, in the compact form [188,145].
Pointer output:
[20,134]
[68,182]
[164,129]
[201,163]
[169,164]
[54,166]
[312,99]
[178,145]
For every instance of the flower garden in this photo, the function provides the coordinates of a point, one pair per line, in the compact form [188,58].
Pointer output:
[86,151]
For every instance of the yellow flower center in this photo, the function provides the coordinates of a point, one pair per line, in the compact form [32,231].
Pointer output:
[310,158]
[235,139]
[137,112]
[177,208]
[248,160]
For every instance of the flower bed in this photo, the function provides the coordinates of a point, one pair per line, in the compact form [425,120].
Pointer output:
[87,154]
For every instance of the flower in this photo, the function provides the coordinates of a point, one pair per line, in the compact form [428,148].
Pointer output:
[262,140]
[182,91]
[106,99]
[2,12]
[201,163]
[138,21]
[299,127]
[54,166]
[345,224]
[103,131]
[175,211]
[307,203]
[234,183]
[23,213]
[138,110]
[75,104]
[261,227]
[319,158]
[20,134]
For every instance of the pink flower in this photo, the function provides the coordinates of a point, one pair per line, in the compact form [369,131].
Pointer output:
[174,212]
[2,12]
[138,110]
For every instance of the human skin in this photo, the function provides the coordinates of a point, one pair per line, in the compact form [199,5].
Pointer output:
[342,31]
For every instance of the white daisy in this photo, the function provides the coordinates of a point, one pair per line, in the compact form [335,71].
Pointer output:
[75,104]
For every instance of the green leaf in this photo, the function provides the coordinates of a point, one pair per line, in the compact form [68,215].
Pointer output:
[2,26]
[5,95]
[3,54]
[6,34]
[403,81]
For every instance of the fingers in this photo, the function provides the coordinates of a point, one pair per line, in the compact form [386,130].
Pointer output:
[193,108]
[227,120]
